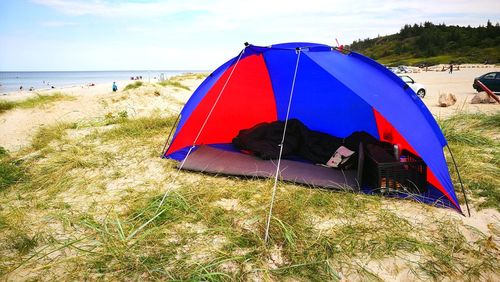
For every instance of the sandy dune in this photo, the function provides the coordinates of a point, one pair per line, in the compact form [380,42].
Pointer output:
[18,126]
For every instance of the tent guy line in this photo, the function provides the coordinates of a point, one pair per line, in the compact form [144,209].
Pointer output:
[266,237]
[203,126]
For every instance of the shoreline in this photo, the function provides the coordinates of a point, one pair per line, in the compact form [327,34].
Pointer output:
[70,86]
[11,81]
[70,89]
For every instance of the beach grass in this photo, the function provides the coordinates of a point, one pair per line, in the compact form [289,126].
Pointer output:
[49,134]
[34,102]
[190,75]
[176,81]
[40,100]
[10,171]
[475,143]
[134,85]
[6,105]
[95,189]
[173,83]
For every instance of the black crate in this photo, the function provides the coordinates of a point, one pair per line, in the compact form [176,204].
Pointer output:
[404,177]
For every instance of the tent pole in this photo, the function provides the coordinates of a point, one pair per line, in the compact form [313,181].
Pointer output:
[170,134]
[266,236]
[459,179]
[202,127]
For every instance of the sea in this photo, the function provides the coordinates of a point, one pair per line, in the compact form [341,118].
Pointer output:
[11,81]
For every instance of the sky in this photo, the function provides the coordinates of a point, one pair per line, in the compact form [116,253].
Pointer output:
[38,35]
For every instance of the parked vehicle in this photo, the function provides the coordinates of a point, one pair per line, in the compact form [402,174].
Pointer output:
[490,80]
[394,69]
[404,69]
[417,87]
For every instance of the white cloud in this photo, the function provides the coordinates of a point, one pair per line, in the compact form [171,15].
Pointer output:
[281,16]
[232,11]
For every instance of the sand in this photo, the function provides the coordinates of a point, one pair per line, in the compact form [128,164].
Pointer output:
[18,126]
[458,83]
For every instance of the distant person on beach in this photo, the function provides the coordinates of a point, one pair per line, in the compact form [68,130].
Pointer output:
[451,68]
[114,87]
[21,88]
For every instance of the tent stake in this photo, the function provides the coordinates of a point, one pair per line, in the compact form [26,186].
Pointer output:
[266,236]
[459,179]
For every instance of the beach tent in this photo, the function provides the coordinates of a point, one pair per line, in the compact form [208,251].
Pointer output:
[330,90]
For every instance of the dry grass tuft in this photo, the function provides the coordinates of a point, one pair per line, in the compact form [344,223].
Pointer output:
[173,83]
[37,101]
[134,85]
[475,141]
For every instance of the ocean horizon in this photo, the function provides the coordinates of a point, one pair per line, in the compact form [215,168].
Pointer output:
[12,81]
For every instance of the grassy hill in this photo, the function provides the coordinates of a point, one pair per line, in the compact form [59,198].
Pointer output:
[434,44]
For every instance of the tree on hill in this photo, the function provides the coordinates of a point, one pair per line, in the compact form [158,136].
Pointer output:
[435,43]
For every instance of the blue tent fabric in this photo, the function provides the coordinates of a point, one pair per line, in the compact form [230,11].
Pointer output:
[404,112]
[339,103]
